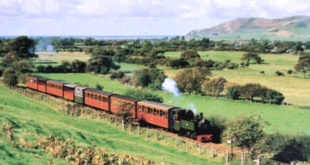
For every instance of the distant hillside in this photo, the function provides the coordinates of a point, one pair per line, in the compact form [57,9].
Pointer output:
[291,28]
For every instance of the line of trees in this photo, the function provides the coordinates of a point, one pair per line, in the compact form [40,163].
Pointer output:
[255,93]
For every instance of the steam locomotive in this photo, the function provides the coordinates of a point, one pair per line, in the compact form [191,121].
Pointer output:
[174,119]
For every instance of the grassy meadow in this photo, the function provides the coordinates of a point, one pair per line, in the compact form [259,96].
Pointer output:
[31,117]
[295,88]
[282,119]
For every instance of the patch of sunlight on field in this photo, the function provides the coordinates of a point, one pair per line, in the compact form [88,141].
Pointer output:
[295,90]
[62,56]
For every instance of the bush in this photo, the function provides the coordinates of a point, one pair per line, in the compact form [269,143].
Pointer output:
[150,77]
[214,87]
[233,92]
[286,148]
[252,92]
[232,66]
[10,77]
[117,75]
[289,71]
[137,93]
[278,73]
[99,87]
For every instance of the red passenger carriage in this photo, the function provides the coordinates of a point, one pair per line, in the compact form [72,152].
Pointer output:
[154,113]
[55,87]
[97,98]
[32,82]
[121,104]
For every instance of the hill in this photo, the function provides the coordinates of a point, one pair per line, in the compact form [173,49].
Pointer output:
[31,118]
[290,28]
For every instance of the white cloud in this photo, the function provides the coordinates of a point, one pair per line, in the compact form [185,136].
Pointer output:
[135,16]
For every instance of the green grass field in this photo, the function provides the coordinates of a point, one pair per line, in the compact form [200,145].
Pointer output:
[285,120]
[33,117]
[295,88]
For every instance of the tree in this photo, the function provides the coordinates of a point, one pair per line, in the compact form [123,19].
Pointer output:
[10,77]
[249,91]
[190,80]
[21,47]
[214,87]
[233,92]
[244,131]
[148,77]
[144,95]
[78,66]
[100,64]
[303,64]
[252,56]
[189,54]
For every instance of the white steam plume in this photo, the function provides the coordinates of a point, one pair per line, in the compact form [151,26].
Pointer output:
[193,108]
[45,45]
[170,86]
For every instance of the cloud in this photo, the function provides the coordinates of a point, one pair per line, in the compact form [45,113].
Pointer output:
[121,17]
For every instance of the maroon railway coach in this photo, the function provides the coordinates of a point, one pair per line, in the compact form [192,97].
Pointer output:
[123,103]
[36,82]
[55,87]
[154,113]
[32,82]
[97,98]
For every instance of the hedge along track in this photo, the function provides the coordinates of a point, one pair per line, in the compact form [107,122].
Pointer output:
[222,148]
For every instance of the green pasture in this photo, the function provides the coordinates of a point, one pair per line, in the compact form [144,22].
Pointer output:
[29,116]
[295,88]
[282,119]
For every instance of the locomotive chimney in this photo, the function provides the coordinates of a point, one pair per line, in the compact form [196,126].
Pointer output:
[201,116]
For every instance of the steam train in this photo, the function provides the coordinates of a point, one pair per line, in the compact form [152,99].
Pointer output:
[174,119]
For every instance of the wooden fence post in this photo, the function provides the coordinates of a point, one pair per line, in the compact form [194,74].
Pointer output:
[176,141]
[226,157]
[123,124]
[115,121]
[165,138]
[212,152]
[138,130]
[186,145]
[242,157]
[199,148]
[147,132]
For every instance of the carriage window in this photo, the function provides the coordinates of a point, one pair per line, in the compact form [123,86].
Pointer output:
[95,96]
[104,99]
[99,98]
[91,95]
[160,113]
[148,110]
[155,112]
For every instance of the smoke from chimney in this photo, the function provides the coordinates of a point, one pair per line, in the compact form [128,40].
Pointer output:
[44,45]
[171,86]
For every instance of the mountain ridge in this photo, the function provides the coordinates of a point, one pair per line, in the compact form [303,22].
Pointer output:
[282,28]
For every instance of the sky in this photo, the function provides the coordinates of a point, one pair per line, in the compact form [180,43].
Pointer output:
[133,17]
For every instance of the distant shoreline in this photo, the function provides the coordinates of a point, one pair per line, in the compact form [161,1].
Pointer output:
[103,37]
